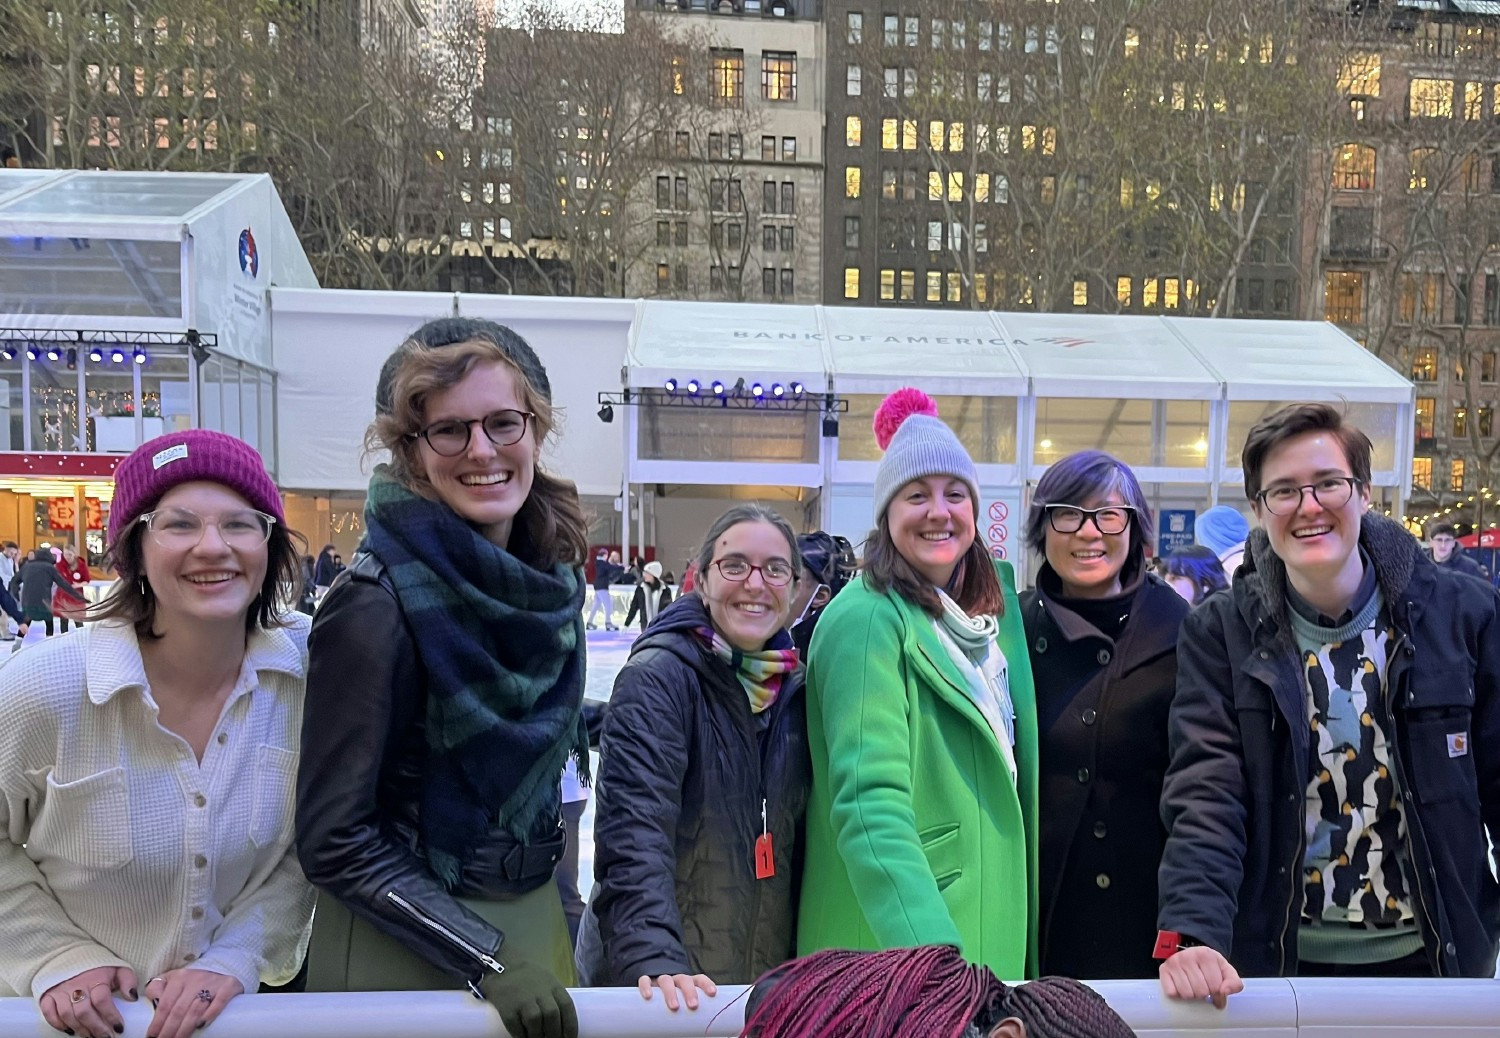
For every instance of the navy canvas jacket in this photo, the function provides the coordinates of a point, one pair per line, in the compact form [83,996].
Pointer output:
[1235,795]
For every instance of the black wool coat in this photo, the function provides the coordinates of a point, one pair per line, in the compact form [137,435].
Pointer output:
[1102,717]
[684,770]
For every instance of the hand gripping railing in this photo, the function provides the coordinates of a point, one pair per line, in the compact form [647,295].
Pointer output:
[1265,1009]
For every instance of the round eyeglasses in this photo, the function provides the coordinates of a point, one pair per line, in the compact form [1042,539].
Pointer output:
[776,573]
[181,528]
[1330,492]
[450,437]
[1109,520]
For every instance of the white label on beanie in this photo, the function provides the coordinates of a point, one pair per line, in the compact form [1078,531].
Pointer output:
[176,453]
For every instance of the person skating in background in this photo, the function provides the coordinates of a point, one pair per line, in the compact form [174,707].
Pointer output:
[444,694]
[74,604]
[1444,549]
[34,584]
[828,564]
[923,992]
[1195,573]
[921,828]
[703,780]
[1222,530]
[1103,635]
[324,570]
[652,595]
[9,553]
[607,570]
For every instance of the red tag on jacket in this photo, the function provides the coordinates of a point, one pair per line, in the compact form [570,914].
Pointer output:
[765,857]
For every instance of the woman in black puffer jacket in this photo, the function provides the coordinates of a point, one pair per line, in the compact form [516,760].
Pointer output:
[703,780]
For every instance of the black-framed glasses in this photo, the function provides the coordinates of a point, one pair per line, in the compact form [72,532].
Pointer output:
[1330,492]
[180,528]
[1109,520]
[451,436]
[776,573]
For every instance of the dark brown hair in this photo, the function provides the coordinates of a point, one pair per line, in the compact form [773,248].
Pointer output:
[1440,526]
[1294,420]
[551,519]
[976,586]
[131,599]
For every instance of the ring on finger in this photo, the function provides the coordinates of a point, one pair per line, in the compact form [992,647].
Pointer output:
[205,995]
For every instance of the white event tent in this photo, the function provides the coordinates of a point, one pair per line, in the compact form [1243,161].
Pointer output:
[1172,397]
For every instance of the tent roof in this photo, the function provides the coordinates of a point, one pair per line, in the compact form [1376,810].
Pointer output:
[725,340]
[869,350]
[81,199]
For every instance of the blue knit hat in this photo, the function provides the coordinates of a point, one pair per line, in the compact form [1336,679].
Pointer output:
[1221,528]
[917,444]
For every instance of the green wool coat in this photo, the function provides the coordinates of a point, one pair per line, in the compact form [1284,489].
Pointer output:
[915,832]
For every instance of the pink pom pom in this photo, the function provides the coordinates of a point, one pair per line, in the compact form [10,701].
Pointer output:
[897,408]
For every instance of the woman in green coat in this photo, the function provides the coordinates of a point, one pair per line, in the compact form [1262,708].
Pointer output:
[921,827]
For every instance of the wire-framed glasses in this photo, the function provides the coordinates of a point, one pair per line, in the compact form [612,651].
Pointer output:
[1330,492]
[451,436]
[244,528]
[1109,520]
[777,572]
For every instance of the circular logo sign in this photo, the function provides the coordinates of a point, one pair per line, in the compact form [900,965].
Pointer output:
[249,257]
[999,512]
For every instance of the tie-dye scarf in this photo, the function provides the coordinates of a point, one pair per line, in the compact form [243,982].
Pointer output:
[761,673]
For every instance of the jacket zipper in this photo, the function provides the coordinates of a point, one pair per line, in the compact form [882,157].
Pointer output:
[1413,825]
[468,947]
[1296,867]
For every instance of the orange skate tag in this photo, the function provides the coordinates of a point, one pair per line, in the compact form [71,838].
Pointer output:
[765,857]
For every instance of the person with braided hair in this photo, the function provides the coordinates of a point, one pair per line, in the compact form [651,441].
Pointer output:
[923,992]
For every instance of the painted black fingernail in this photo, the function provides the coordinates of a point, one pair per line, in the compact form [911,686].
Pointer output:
[119,1028]
[202,1024]
[153,1006]
[134,993]
[68,1030]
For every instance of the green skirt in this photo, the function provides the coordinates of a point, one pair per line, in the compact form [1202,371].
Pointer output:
[348,954]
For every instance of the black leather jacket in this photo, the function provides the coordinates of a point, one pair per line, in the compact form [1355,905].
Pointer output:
[359,785]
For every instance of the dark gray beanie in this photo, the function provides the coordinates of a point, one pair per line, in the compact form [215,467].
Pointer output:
[450,331]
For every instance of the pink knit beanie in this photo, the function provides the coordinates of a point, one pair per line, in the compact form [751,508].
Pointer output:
[158,465]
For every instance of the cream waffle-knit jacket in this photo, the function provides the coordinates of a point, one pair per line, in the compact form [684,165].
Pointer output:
[118,846]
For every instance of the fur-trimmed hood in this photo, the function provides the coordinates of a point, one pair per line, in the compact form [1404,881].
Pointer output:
[1395,553]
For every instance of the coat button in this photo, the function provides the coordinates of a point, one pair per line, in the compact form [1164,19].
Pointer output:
[1263,654]
[1102,881]
[197,912]
[1450,949]
[1041,645]
[1083,774]
[199,861]
[199,800]
[1103,657]
[1100,830]
[1089,716]
[189,957]
[223,738]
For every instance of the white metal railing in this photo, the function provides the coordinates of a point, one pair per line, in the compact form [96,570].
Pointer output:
[1266,1009]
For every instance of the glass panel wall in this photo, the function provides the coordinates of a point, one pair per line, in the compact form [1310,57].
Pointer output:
[54,406]
[683,433]
[1171,433]
[110,394]
[1377,421]
[166,393]
[12,405]
[985,425]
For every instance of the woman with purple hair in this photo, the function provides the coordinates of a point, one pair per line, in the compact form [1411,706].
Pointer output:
[1103,638]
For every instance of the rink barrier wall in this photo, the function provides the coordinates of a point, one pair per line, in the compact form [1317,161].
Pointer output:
[1267,1008]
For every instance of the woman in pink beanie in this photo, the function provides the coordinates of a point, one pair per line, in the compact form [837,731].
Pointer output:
[147,763]
[921,828]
